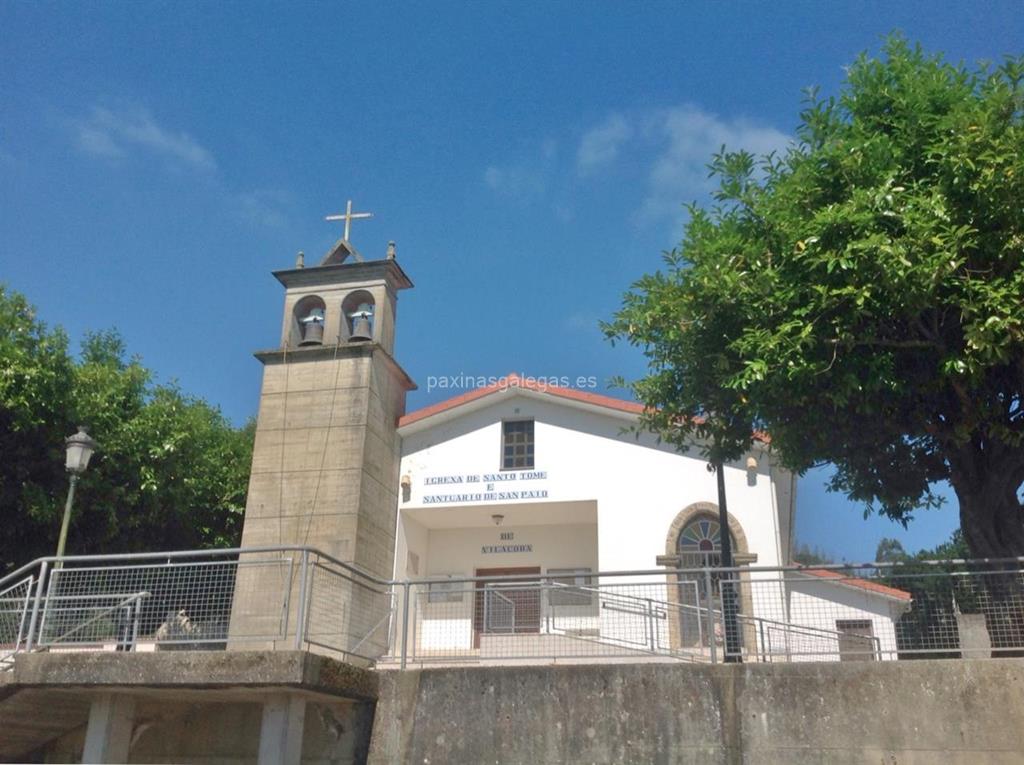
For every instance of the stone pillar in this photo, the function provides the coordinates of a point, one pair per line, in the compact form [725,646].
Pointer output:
[284,719]
[108,736]
[975,642]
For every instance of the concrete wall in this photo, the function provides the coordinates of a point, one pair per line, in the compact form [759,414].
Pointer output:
[228,733]
[872,712]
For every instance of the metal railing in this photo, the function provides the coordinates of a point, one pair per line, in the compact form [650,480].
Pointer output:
[865,612]
[291,597]
[264,598]
[15,601]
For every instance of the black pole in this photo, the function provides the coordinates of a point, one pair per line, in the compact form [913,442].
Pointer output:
[728,590]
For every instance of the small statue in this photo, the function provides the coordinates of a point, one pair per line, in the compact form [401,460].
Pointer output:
[300,260]
[391,250]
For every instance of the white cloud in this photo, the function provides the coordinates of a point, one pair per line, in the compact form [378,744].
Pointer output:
[687,136]
[600,145]
[268,207]
[515,181]
[119,133]
[109,133]
[673,147]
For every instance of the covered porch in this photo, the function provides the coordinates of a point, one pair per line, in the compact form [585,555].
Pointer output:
[498,571]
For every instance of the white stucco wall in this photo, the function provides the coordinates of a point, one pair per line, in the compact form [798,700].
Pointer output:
[820,604]
[639,485]
[604,499]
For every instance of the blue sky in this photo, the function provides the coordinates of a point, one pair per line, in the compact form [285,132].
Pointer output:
[158,160]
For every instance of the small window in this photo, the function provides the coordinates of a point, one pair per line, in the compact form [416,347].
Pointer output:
[856,639]
[517,445]
[565,584]
[446,592]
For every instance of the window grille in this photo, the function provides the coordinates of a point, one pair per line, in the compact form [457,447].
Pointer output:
[445,592]
[517,445]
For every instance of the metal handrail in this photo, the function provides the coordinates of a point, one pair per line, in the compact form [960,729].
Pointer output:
[20,570]
[23,601]
[518,577]
[127,601]
[491,591]
[605,584]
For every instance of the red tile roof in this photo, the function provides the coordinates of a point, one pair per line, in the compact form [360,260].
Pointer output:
[864,584]
[514,380]
[526,383]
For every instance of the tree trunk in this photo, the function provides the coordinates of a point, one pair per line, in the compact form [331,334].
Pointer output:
[992,520]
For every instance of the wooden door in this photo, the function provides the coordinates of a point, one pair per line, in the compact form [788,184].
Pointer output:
[521,606]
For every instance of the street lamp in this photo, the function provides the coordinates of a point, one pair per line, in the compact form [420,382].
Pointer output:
[729,605]
[80,448]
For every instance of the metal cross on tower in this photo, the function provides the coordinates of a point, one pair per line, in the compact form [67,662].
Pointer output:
[348,217]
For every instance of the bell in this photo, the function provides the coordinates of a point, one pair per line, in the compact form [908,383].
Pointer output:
[312,333]
[361,330]
[313,328]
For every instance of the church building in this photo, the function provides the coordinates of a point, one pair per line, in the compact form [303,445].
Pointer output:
[519,478]
[554,484]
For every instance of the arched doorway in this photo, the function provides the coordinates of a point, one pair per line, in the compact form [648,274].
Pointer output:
[694,541]
[698,545]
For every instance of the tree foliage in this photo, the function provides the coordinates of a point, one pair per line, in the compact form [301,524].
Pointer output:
[890,550]
[806,555]
[861,297]
[171,472]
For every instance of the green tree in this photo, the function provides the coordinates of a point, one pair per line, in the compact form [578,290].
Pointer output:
[35,382]
[930,630]
[805,555]
[955,548]
[890,550]
[171,472]
[860,297]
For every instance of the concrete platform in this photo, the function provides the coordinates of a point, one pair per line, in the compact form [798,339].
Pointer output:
[46,698]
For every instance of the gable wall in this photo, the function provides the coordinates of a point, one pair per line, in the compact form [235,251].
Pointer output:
[639,486]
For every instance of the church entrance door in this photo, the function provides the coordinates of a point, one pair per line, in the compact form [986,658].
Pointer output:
[506,608]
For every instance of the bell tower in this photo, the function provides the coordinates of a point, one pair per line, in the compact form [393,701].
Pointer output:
[326,457]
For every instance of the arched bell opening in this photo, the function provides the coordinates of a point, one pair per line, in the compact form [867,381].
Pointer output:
[308,321]
[358,310]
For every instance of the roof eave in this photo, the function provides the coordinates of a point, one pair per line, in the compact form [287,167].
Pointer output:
[487,398]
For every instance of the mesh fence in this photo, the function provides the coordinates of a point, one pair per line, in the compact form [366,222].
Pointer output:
[869,613]
[15,603]
[857,613]
[290,598]
[174,604]
[638,618]
[348,613]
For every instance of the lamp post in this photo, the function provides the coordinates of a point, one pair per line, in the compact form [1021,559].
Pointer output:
[728,590]
[80,448]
